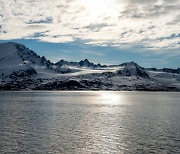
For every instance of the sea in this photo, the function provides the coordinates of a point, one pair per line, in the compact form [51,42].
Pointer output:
[89,122]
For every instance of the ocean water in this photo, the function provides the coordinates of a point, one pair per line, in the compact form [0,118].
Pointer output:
[89,122]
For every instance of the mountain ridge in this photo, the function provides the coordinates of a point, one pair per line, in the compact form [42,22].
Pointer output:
[22,69]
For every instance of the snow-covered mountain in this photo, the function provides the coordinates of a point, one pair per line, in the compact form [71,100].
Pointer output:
[13,63]
[22,69]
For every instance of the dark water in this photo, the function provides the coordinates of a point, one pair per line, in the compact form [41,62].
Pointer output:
[89,122]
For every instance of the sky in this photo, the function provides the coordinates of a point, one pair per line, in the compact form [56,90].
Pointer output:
[104,31]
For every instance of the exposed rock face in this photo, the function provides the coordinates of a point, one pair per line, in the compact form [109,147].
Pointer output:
[133,69]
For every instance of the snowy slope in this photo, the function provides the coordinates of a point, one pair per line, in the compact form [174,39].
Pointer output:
[11,64]
[17,59]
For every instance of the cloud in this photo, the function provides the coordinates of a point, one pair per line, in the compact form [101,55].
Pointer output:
[57,39]
[42,21]
[96,27]
[144,23]
[149,9]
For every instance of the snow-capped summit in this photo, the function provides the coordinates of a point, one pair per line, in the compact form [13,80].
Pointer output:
[30,57]
[130,64]
[86,63]
[63,62]
[132,69]
[11,63]
[18,61]
[20,55]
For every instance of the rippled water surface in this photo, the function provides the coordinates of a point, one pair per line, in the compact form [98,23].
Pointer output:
[89,122]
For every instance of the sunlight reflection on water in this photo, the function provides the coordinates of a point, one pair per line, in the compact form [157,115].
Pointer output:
[111,98]
[89,122]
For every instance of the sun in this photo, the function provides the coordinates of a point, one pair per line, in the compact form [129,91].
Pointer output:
[96,7]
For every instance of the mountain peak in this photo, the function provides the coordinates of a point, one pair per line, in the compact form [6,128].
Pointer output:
[86,60]
[7,49]
[132,63]
[14,44]
[86,63]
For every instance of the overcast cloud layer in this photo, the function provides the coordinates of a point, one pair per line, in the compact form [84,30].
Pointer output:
[152,24]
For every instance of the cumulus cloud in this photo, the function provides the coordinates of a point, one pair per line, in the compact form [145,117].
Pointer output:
[147,23]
